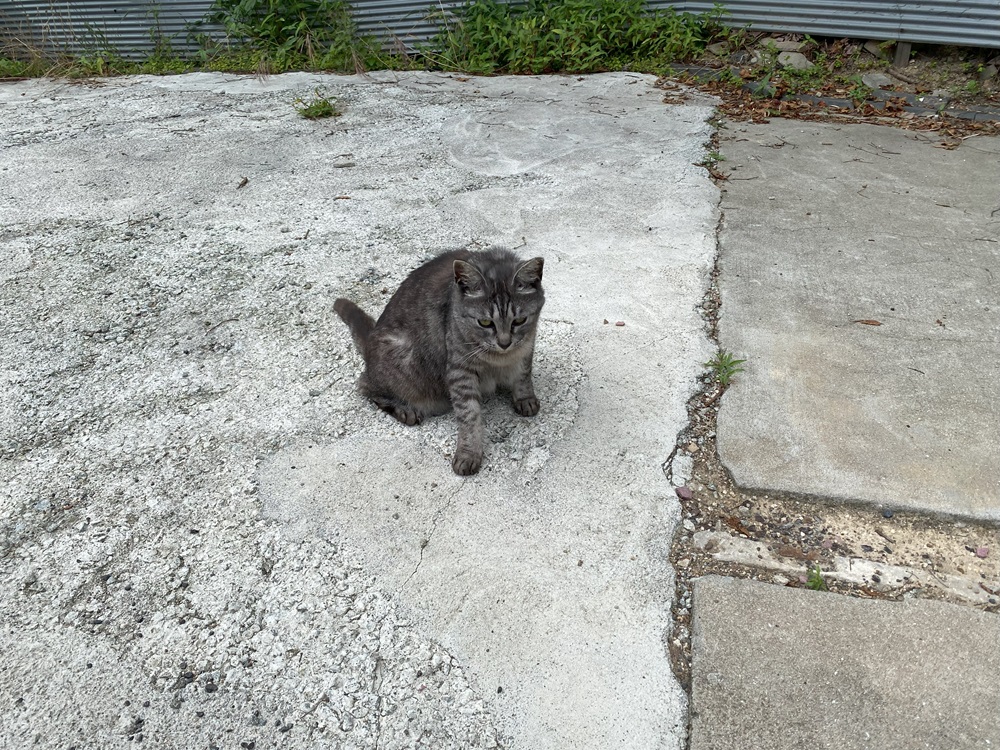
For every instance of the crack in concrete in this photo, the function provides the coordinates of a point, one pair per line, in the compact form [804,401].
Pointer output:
[425,542]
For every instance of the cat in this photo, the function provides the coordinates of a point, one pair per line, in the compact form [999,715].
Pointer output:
[458,326]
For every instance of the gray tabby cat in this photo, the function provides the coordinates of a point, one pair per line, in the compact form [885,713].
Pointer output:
[457,327]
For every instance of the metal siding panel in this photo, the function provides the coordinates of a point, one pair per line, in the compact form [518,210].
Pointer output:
[974,23]
[404,22]
[128,25]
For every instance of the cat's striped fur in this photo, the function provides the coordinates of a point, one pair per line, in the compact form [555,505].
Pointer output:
[460,325]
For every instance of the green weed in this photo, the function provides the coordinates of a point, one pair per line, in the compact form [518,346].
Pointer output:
[724,367]
[858,91]
[317,108]
[814,579]
[280,35]
[547,36]
[711,160]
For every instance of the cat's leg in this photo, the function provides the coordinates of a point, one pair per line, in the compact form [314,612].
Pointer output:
[523,392]
[466,400]
[405,412]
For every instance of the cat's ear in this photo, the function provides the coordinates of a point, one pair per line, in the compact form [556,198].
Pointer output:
[529,275]
[468,278]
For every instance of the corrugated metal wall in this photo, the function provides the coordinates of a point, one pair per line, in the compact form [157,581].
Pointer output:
[404,22]
[975,23]
[132,25]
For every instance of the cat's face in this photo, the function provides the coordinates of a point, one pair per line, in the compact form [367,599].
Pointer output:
[499,305]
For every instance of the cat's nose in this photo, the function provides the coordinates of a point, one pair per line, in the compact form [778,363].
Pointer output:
[503,343]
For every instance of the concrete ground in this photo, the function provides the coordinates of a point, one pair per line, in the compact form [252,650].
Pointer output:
[858,269]
[210,540]
[778,668]
[859,276]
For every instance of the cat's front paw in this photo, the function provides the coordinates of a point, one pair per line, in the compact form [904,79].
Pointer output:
[526,407]
[466,462]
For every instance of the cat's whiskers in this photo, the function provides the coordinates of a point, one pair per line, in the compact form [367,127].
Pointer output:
[479,350]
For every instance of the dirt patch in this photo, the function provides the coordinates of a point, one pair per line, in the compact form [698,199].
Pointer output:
[948,91]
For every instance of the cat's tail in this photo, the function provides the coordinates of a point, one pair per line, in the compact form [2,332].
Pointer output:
[360,322]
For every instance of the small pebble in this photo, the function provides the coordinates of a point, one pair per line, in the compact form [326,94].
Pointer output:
[684,493]
[619,322]
[886,513]
[982,552]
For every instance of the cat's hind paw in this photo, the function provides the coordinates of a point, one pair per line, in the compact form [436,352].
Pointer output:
[404,412]
[408,415]
[526,407]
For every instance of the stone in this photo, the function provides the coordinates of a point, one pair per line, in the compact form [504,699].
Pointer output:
[875,48]
[786,45]
[877,81]
[718,49]
[989,71]
[794,60]
[680,469]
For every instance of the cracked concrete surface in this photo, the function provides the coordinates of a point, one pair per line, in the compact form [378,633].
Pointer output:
[858,268]
[169,353]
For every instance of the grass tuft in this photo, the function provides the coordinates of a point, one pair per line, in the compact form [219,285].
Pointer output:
[317,107]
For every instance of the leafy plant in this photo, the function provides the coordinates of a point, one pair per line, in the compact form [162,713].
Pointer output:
[545,36]
[289,33]
[859,91]
[316,108]
[724,367]
[814,579]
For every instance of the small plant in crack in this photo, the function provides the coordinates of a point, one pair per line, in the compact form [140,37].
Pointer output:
[724,367]
[814,579]
[712,158]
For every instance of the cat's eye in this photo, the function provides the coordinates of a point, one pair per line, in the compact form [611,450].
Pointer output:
[520,321]
[485,322]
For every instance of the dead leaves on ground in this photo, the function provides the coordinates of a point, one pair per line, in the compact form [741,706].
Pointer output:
[743,106]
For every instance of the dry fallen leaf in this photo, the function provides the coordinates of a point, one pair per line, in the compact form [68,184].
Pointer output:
[867,322]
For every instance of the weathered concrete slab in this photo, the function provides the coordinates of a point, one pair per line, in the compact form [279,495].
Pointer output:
[859,279]
[776,668]
[171,248]
[548,572]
